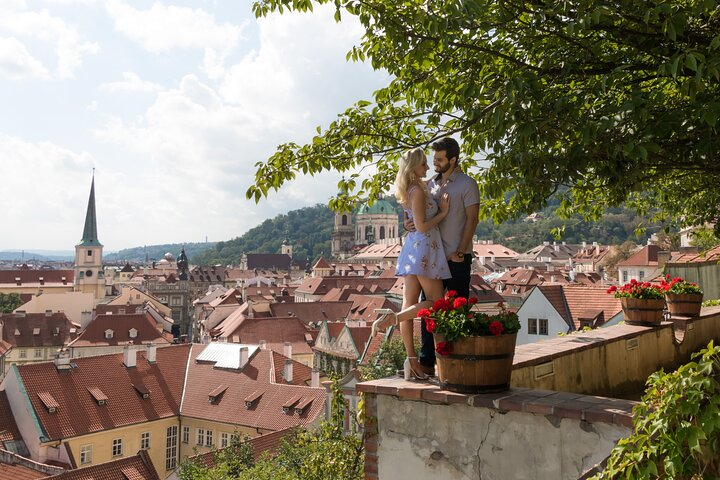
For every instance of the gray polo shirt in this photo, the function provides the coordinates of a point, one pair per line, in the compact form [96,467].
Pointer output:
[463,191]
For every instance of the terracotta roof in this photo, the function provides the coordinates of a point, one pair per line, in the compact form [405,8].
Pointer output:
[590,303]
[646,256]
[312,311]
[321,264]
[143,325]
[8,428]
[70,387]
[554,294]
[103,309]
[19,472]
[269,442]
[37,329]
[257,376]
[712,255]
[378,251]
[364,307]
[322,285]
[26,277]
[137,467]
[493,250]
[275,331]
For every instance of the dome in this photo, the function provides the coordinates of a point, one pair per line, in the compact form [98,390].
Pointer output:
[379,207]
[169,257]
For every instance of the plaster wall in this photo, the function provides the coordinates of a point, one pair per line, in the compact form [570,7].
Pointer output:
[536,305]
[459,442]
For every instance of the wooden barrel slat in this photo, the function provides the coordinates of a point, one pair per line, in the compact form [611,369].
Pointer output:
[684,304]
[477,364]
[643,311]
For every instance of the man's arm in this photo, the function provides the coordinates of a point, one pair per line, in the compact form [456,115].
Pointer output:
[471,221]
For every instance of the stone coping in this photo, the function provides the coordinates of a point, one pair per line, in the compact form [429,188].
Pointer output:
[554,405]
[543,351]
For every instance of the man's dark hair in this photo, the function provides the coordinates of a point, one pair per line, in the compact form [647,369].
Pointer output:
[450,146]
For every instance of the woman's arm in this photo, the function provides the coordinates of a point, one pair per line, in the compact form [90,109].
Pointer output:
[418,201]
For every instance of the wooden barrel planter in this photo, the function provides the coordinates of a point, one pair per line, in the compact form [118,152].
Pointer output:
[642,311]
[477,364]
[684,304]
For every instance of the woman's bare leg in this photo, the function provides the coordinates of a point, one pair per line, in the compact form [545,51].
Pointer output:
[411,295]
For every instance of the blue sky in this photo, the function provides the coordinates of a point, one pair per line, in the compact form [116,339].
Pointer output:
[172,103]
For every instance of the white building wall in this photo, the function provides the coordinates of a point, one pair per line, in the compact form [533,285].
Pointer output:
[24,414]
[536,305]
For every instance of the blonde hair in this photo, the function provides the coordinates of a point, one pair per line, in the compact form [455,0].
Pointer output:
[406,174]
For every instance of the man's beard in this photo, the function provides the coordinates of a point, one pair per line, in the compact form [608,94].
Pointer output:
[439,169]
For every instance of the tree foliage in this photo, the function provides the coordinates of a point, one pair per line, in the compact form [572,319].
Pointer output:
[387,360]
[617,100]
[9,302]
[677,426]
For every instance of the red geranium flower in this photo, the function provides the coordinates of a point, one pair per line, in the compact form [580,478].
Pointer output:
[611,289]
[430,325]
[460,302]
[496,328]
[442,348]
[451,294]
[424,313]
[441,304]
[472,300]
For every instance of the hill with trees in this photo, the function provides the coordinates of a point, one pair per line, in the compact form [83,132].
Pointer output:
[157,252]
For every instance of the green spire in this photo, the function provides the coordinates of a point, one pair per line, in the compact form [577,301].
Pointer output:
[90,236]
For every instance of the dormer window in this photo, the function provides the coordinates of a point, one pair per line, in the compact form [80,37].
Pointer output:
[36,331]
[49,402]
[109,333]
[98,395]
[132,333]
[288,406]
[252,399]
[141,390]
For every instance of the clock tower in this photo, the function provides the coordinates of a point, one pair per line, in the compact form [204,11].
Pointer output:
[89,276]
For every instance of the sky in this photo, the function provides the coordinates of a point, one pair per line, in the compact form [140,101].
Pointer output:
[172,103]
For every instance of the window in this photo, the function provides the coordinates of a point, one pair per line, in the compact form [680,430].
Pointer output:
[532,326]
[585,323]
[224,439]
[85,454]
[145,441]
[117,449]
[23,353]
[543,326]
[186,435]
[38,353]
[208,438]
[174,300]
[200,436]
[89,253]
[641,274]
[624,276]
[171,447]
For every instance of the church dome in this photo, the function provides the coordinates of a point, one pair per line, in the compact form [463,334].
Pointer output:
[169,257]
[378,208]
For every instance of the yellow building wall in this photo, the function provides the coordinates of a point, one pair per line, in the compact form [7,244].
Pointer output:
[305,359]
[15,355]
[133,296]
[192,448]
[102,443]
[36,288]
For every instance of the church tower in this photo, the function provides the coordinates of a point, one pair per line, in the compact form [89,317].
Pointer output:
[89,276]
[342,235]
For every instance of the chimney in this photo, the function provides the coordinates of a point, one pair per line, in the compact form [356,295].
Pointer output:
[663,257]
[243,356]
[288,373]
[287,349]
[18,282]
[62,359]
[48,313]
[129,356]
[315,378]
[263,344]
[251,313]
[151,353]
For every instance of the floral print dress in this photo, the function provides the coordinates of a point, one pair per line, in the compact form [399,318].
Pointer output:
[422,254]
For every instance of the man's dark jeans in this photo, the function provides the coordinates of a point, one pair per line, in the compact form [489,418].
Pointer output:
[460,282]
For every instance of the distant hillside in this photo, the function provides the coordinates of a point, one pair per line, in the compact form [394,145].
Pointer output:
[39,255]
[307,229]
[157,252]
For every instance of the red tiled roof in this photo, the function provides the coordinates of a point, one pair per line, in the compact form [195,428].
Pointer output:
[646,257]
[269,442]
[69,388]
[364,306]
[104,309]
[493,250]
[8,428]
[322,285]
[19,472]
[275,331]
[50,277]
[554,294]
[588,303]
[321,264]
[37,329]
[267,412]
[137,467]
[712,255]
[312,311]
[143,324]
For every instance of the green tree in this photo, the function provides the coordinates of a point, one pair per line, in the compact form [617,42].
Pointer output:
[617,100]
[677,426]
[9,302]
[704,239]
[386,361]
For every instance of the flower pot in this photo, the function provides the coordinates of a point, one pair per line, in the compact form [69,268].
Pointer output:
[684,304]
[643,311]
[477,364]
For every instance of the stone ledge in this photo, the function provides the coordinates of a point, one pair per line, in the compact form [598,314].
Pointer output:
[559,405]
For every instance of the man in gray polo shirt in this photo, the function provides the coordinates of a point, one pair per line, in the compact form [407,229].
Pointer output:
[456,229]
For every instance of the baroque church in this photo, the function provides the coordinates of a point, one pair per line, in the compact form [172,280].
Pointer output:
[89,276]
[378,223]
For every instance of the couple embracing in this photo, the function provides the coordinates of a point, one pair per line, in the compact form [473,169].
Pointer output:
[441,215]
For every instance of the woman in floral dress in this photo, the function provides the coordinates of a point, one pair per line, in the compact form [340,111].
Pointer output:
[422,259]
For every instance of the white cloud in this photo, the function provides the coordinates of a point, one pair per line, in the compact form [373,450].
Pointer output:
[131,82]
[47,30]
[16,63]
[164,28]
